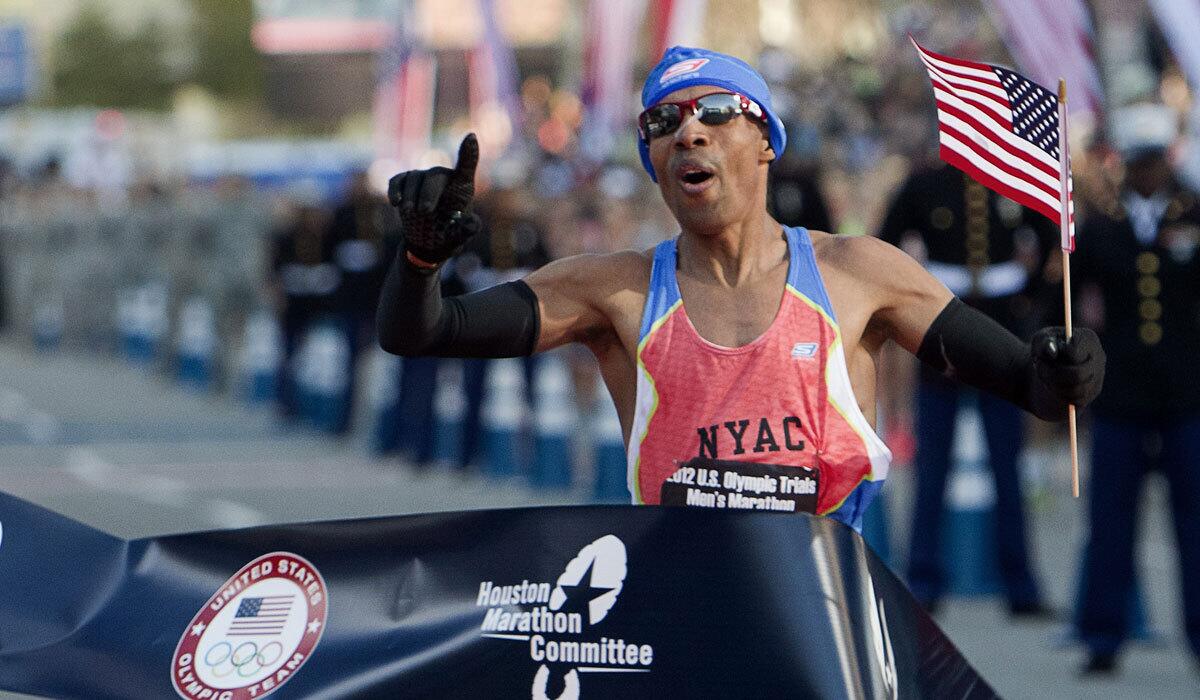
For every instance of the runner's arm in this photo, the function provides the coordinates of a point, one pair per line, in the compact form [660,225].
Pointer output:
[921,315]
[414,320]
[574,293]
[557,304]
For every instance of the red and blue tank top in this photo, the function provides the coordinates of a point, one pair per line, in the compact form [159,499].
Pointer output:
[784,399]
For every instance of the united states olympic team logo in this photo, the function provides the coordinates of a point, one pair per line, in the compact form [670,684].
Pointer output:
[254,633]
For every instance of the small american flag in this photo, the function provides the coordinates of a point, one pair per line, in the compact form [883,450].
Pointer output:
[1003,130]
[261,616]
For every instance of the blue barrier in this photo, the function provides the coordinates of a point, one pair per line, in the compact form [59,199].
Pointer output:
[262,353]
[554,418]
[322,377]
[196,345]
[502,415]
[611,466]
[142,322]
[968,534]
[48,327]
[449,404]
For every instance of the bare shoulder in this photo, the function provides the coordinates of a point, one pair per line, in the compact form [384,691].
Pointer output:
[597,275]
[869,262]
[864,257]
[593,298]
[899,296]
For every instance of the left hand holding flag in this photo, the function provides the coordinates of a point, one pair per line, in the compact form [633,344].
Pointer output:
[1067,371]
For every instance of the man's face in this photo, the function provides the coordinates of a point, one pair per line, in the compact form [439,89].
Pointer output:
[711,176]
[1148,174]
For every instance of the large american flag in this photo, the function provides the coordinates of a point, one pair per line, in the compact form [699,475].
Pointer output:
[1003,130]
[261,616]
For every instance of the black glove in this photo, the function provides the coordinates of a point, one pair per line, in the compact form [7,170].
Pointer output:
[434,206]
[1066,371]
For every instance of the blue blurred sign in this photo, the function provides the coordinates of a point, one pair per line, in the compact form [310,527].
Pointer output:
[15,64]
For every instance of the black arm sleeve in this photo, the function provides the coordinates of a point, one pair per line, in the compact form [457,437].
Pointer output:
[414,320]
[966,345]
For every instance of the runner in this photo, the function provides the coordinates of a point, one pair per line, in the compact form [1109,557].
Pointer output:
[741,354]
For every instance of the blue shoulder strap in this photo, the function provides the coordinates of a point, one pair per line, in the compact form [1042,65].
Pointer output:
[803,275]
[664,288]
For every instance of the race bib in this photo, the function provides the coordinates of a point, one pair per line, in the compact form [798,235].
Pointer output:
[720,483]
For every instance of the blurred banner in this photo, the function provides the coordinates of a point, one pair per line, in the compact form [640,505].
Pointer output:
[609,90]
[16,64]
[1052,39]
[406,85]
[675,23]
[320,26]
[494,83]
[1179,21]
[586,602]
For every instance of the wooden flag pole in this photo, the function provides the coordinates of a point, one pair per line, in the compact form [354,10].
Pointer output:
[1065,223]
[1066,263]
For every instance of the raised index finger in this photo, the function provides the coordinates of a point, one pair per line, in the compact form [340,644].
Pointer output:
[468,158]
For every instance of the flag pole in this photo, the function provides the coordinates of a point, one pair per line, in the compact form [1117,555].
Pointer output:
[1067,244]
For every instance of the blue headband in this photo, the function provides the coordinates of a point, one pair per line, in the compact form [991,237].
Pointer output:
[683,67]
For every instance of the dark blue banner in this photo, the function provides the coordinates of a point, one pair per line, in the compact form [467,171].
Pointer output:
[585,602]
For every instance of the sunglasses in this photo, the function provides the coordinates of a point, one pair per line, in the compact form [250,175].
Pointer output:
[712,109]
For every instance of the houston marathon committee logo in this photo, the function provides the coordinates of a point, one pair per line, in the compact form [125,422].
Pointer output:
[556,622]
[255,633]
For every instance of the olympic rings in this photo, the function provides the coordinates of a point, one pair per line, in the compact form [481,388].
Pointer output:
[247,659]
[208,654]
[244,672]
[233,658]
[278,653]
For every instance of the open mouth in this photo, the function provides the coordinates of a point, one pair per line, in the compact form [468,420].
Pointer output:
[694,178]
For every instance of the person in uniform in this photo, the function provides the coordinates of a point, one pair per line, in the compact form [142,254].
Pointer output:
[305,279]
[989,251]
[1137,264]
[741,347]
[363,236]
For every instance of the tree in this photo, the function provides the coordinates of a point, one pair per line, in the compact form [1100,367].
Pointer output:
[227,63]
[95,65]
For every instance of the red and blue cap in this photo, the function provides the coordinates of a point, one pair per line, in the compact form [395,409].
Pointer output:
[683,66]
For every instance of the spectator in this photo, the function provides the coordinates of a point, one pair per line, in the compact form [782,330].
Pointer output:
[1140,262]
[306,281]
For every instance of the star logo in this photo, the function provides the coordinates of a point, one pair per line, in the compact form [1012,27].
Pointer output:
[198,629]
[592,580]
[314,626]
[581,595]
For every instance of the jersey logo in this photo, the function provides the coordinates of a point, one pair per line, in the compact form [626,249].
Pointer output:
[691,65]
[803,350]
